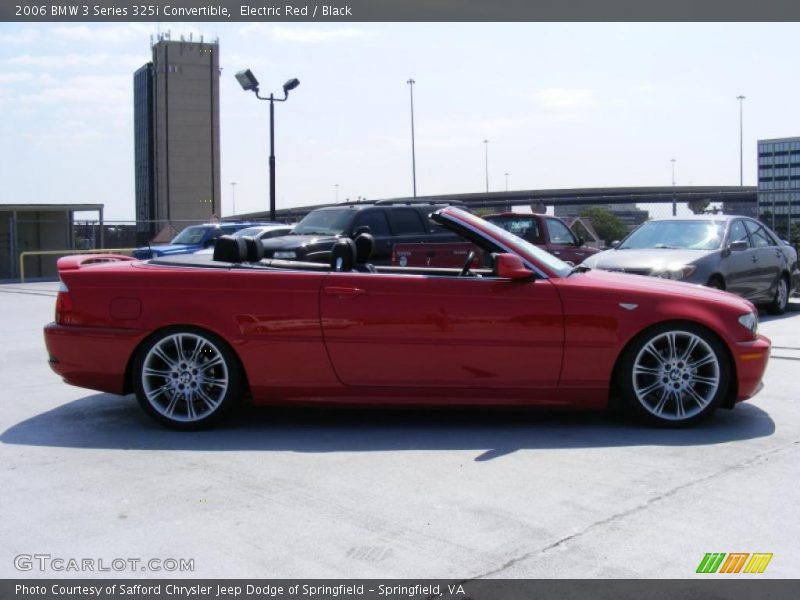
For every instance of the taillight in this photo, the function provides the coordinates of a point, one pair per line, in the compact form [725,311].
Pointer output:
[63,305]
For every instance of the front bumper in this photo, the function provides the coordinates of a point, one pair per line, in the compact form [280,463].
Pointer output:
[751,360]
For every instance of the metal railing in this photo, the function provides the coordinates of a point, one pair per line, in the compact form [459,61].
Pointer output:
[24,255]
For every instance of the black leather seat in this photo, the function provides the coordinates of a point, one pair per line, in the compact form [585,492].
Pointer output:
[230,249]
[254,249]
[343,255]
[364,243]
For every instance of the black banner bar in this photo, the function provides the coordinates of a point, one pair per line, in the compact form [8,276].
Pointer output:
[398,10]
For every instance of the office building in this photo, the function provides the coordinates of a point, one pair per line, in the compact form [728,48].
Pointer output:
[176,130]
[779,183]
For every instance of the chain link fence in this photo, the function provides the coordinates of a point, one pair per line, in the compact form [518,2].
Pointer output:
[611,221]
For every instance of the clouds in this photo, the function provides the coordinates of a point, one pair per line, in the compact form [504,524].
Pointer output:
[566,99]
[305,35]
[24,36]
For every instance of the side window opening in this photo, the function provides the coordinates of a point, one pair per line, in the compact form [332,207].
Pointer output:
[559,233]
[375,220]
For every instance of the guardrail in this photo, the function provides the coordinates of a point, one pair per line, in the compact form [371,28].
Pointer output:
[27,253]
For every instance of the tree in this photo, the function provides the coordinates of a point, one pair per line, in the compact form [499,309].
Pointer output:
[698,207]
[607,225]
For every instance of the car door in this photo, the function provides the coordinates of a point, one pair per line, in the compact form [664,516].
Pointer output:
[768,262]
[562,242]
[738,267]
[398,330]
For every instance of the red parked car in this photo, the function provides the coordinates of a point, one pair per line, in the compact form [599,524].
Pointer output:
[549,233]
[191,336]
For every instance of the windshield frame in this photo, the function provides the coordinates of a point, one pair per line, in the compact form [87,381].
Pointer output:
[540,261]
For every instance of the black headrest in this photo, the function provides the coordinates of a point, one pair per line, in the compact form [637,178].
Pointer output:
[343,255]
[254,249]
[230,249]
[364,243]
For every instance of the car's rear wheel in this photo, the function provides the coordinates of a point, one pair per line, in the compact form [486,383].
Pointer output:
[186,378]
[674,375]
[781,300]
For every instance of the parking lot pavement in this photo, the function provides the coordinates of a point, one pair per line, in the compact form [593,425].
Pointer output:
[334,493]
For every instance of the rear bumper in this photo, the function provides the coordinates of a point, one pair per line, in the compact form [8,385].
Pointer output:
[91,357]
[751,361]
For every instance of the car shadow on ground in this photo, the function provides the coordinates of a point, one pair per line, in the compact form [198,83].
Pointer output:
[104,421]
[792,311]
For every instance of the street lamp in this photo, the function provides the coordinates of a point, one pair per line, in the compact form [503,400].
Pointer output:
[233,197]
[506,174]
[249,83]
[336,189]
[486,161]
[741,144]
[674,203]
[411,83]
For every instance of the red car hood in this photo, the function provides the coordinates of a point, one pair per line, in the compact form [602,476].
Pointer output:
[640,284]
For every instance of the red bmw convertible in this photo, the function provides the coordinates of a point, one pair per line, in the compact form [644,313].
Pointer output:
[192,335]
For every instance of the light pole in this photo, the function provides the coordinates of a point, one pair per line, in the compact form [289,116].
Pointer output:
[411,83]
[486,161]
[233,197]
[249,83]
[741,142]
[506,174]
[674,203]
[336,188]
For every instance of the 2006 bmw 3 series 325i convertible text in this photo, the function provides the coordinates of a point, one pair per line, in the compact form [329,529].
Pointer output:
[191,336]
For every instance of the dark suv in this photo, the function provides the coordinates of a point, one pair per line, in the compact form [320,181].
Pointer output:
[389,223]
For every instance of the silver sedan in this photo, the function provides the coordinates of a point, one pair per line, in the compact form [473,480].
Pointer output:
[733,253]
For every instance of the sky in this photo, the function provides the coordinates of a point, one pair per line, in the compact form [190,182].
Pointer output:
[562,105]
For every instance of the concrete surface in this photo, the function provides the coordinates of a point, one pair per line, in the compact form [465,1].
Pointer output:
[330,493]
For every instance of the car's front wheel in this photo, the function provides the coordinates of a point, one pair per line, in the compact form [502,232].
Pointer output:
[186,378]
[781,300]
[674,375]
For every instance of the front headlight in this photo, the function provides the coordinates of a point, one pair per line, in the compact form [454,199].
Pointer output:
[674,271]
[285,254]
[749,322]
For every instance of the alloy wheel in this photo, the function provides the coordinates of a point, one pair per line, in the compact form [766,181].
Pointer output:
[676,375]
[185,377]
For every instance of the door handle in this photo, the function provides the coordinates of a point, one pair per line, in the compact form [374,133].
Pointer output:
[344,292]
[754,258]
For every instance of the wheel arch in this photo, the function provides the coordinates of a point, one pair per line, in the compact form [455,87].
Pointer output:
[733,385]
[128,378]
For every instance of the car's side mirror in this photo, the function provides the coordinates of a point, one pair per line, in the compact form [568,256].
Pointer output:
[737,246]
[579,242]
[210,243]
[615,243]
[510,266]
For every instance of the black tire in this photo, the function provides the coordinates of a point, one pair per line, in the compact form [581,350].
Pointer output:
[716,282]
[780,301]
[186,378]
[673,383]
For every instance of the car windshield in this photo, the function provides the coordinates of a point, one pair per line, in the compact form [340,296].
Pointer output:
[521,226]
[325,222]
[191,235]
[686,235]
